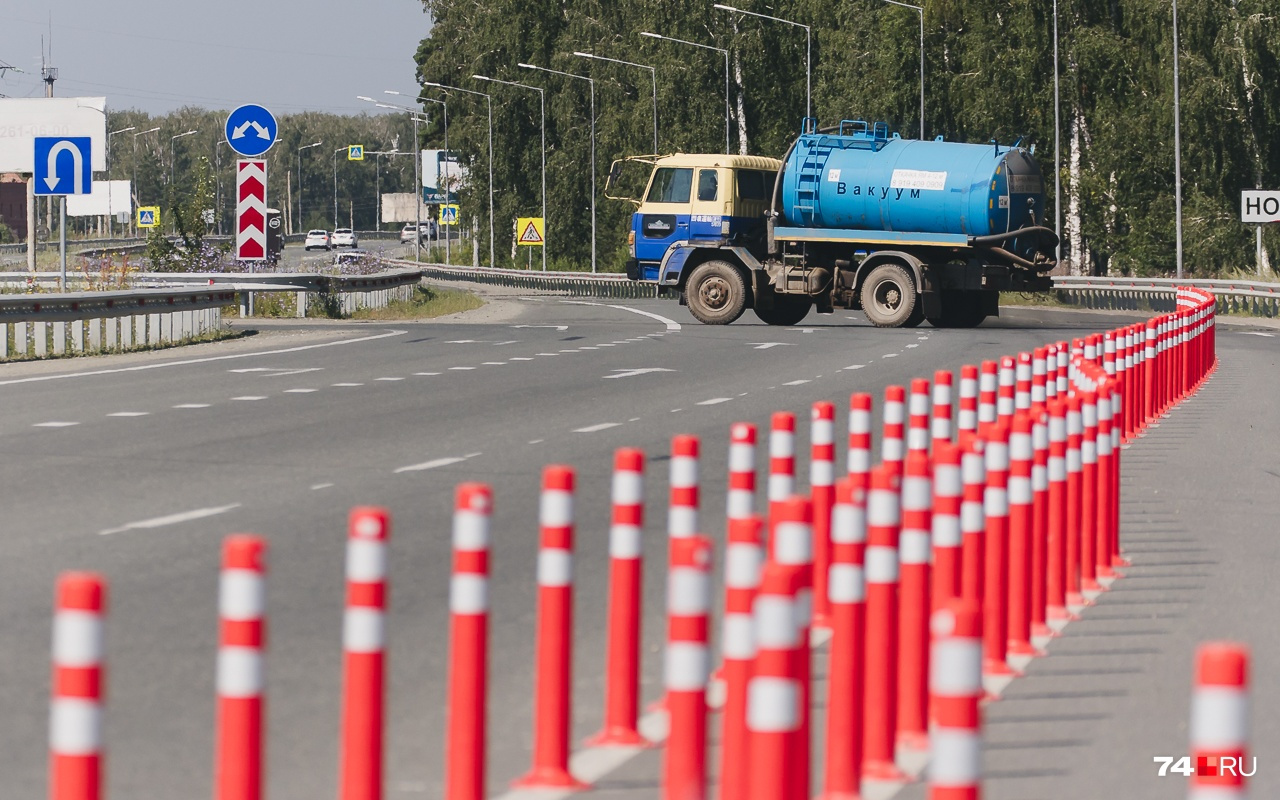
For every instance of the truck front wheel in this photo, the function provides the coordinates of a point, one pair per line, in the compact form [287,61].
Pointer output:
[889,297]
[716,293]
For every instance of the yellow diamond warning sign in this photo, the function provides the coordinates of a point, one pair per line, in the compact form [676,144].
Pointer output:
[530,231]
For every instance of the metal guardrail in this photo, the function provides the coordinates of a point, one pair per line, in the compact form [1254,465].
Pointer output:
[176,308]
[573,284]
[1159,294]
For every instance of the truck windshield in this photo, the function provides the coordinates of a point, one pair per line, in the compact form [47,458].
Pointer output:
[671,185]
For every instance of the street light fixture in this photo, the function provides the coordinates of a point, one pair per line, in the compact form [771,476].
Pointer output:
[920,10]
[653,73]
[171,141]
[300,149]
[134,188]
[417,205]
[592,85]
[808,50]
[489,100]
[542,102]
[726,74]
[109,135]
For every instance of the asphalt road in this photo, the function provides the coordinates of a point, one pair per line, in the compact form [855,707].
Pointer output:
[281,434]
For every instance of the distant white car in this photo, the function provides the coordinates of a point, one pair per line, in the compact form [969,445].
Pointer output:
[317,239]
[344,237]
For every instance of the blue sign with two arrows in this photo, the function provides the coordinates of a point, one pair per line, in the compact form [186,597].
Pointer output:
[251,130]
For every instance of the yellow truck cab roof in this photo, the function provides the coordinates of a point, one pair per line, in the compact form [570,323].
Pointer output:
[719,160]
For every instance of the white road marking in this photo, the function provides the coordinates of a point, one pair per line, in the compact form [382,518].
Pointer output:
[889,355]
[252,369]
[588,348]
[605,344]
[676,410]
[206,360]
[1258,333]
[520,358]
[767,345]
[548,354]
[438,462]
[797,383]
[509,341]
[630,373]
[250,397]
[855,366]
[671,324]
[170,519]
[192,405]
[461,368]
[54,424]
[911,346]
[715,401]
[426,373]
[298,391]
[536,441]
[494,363]
[390,379]
[557,327]
[600,427]
[461,341]
[129,414]
[634,419]
[348,384]
[568,351]
[806,330]
[320,486]
[922,338]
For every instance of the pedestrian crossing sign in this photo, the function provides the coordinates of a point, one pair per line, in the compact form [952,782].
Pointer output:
[148,216]
[449,214]
[530,231]
[355,152]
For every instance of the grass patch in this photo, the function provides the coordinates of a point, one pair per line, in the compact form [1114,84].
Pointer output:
[427,302]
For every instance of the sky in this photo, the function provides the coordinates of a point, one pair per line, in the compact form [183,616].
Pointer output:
[289,55]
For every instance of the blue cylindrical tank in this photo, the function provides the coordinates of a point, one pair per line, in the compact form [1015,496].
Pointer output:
[863,178]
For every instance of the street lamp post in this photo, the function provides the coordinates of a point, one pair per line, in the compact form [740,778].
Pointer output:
[653,73]
[542,102]
[1177,139]
[448,196]
[1057,142]
[416,115]
[726,74]
[171,162]
[489,100]
[920,10]
[300,149]
[109,135]
[135,169]
[808,50]
[335,185]
[592,85]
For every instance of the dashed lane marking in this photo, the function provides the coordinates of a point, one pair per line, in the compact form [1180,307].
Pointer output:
[889,355]
[495,363]
[426,373]
[434,463]
[348,384]
[797,383]
[129,414]
[54,424]
[192,405]
[390,379]
[715,401]
[599,427]
[520,358]
[250,397]
[855,366]
[317,487]
[299,391]
[170,519]
[461,368]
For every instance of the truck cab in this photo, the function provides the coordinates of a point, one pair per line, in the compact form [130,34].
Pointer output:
[695,202]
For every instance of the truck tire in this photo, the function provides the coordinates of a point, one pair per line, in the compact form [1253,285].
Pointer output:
[716,293]
[889,297]
[788,309]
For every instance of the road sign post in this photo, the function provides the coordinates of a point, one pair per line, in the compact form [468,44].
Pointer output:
[63,166]
[250,130]
[149,216]
[1260,207]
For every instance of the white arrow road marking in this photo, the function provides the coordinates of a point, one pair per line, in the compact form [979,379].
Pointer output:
[603,426]
[434,463]
[77,161]
[767,345]
[629,373]
[1258,333]
[171,519]
[715,401]
[671,324]
[188,361]
[557,327]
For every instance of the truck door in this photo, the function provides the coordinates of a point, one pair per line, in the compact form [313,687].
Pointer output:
[709,203]
[663,218]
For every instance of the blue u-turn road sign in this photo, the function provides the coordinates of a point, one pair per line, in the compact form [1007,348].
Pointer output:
[63,165]
[251,130]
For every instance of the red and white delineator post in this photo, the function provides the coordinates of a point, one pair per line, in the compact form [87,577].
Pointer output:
[743,562]
[973,518]
[774,694]
[941,425]
[468,644]
[955,736]
[918,417]
[682,512]
[881,671]
[967,416]
[1220,723]
[238,764]
[948,536]
[1006,399]
[75,710]
[791,545]
[987,396]
[858,459]
[847,588]
[782,458]
[915,553]
[687,669]
[892,439]
[822,475]
[1021,518]
[364,655]
[995,603]
[1022,382]
[741,500]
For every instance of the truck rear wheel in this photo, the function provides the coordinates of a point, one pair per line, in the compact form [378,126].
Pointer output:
[788,309]
[889,297]
[716,293]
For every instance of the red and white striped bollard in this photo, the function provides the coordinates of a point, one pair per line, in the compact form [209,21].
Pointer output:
[364,654]
[75,709]
[687,669]
[914,556]
[847,587]
[955,738]
[238,767]
[468,644]
[1220,723]
[822,469]
[743,561]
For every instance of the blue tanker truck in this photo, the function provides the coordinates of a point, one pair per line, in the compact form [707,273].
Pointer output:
[852,217]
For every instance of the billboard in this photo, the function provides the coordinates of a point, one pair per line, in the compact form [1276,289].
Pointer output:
[108,197]
[399,207]
[22,119]
[442,174]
